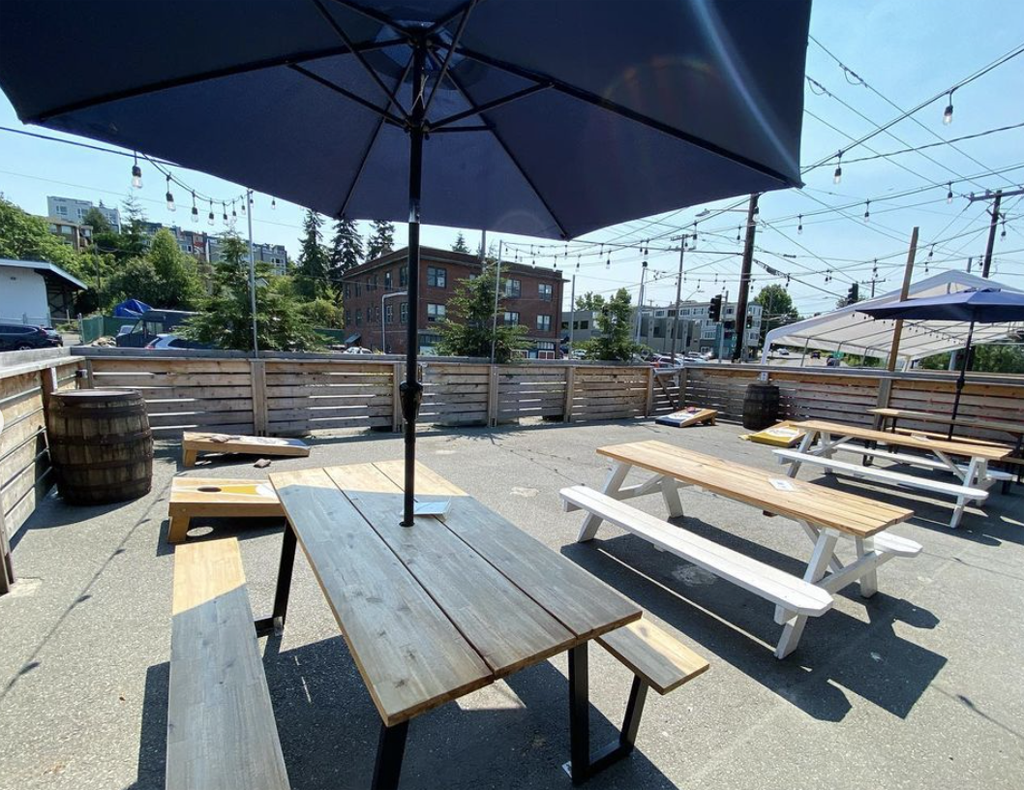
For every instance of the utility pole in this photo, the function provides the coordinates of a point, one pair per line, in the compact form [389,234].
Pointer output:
[640,302]
[679,288]
[744,296]
[721,328]
[992,234]
[497,295]
[252,277]
[572,315]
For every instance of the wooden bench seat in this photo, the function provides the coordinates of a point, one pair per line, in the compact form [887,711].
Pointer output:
[898,479]
[781,588]
[220,722]
[657,658]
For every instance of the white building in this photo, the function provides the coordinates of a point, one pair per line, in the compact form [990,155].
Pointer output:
[274,254]
[697,332]
[36,292]
[75,210]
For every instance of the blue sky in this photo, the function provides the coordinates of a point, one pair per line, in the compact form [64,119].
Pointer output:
[907,51]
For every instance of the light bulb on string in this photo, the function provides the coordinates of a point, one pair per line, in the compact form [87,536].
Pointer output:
[136,173]
[608,263]
[273,203]
[949,194]
[234,216]
[209,218]
[837,176]
[243,204]
[947,114]
[867,211]
[224,212]
[195,211]
[169,196]
[800,227]
[737,233]
[1002,235]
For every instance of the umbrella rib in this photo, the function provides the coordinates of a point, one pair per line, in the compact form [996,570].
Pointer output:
[370,70]
[618,109]
[383,113]
[192,79]
[438,126]
[512,158]
[448,58]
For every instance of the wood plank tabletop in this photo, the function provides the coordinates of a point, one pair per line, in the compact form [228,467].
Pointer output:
[954,447]
[1014,428]
[819,506]
[440,609]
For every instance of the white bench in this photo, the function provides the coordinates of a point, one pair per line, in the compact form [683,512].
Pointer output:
[963,493]
[922,461]
[795,598]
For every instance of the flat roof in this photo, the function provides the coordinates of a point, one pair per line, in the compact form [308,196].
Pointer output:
[45,266]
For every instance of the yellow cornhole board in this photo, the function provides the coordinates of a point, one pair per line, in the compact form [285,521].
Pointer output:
[194,442]
[688,416]
[192,497]
[781,435]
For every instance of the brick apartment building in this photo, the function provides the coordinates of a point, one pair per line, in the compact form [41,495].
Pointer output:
[376,319]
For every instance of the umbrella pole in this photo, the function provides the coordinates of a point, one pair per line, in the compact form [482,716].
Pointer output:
[411,389]
[961,379]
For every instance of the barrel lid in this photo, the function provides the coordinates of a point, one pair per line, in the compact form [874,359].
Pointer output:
[95,394]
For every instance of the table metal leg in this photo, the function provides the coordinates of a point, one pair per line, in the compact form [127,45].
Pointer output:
[390,751]
[275,623]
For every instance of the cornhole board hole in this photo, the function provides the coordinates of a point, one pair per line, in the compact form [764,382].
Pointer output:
[193,443]
[782,435]
[192,497]
[689,416]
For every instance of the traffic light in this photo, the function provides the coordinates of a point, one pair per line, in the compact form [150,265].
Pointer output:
[715,308]
[750,321]
[854,295]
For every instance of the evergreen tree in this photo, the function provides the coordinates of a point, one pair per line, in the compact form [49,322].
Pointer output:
[615,325]
[311,276]
[469,329]
[346,250]
[778,308]
[382,239]
[460,244]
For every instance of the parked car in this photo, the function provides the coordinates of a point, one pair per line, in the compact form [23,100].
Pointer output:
[783,352]
[173,341]
[20,337]
[815,355]
[54,335]
[832,362]
[356,350]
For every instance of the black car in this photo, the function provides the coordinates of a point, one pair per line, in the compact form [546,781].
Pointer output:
[18,337]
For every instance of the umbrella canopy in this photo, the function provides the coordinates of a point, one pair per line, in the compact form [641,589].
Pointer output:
[541,117]
[980,306]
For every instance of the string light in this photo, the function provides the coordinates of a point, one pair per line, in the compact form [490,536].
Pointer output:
[169,196]
[800,227]
[947,115]
[1003,234]
[224,212]
[273,203]
[837,177]
[209,219]
[737,233]
[195,211]
[234,216]
[136,173]
[949,194]
[867,211]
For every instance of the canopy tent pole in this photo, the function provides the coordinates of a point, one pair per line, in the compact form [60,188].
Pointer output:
[411,389]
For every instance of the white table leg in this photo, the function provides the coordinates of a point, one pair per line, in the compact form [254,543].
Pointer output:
[869,581]
[612,484]
[820,557]
[805,445]
[670,492]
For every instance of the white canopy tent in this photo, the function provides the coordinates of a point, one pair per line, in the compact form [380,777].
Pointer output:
[851,331]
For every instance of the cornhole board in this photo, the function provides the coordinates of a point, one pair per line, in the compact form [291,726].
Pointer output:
[689,416]
[192,497]
[783,434]
[193,443]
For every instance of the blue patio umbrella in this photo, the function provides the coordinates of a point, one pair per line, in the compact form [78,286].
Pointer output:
[548,118]
[972,306]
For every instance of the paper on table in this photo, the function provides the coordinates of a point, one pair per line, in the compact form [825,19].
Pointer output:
[437,507]
[782,484]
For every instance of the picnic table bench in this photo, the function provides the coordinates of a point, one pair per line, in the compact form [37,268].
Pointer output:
[823,439]
[433,612]
[825,515]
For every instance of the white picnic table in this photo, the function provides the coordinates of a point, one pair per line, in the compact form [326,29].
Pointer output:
[826,516]
[823,439]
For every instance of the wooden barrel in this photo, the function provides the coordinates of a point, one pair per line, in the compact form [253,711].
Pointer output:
[101,445]
[761,405]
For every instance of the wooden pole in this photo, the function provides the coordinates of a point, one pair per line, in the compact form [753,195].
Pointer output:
[897,332]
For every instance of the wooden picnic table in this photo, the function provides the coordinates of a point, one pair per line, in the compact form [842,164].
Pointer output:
[823,439]
[826,516]
[433,612]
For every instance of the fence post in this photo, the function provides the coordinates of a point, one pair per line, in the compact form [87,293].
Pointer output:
[884,398]
[6,566]
[681,378]
[570,393]
[258,379]
[396,397]
[649,403]
[493,382]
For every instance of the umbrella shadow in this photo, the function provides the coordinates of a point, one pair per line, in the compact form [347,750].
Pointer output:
[838,652]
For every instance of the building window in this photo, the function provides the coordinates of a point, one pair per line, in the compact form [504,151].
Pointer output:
[359,317]
[437,277]
[348,290]
[359,289]
[387,281]
[403,276]
[373,284]
[389,313]
[565,325]
[403,313]
[545,291]
[435,312]
[62,210]
[545,345]
[511,318]
[584,325]
[544,323]
[513,288]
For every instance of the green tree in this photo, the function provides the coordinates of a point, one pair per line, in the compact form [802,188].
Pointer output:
[24,237]
[615,326]
[95,219]
[176,272]
[323,313]
[382,239]
[777,309]
[987,359]
[590,301]
[311,276]
[460,244]
[346,250]
[226,317]
[469,330]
